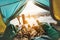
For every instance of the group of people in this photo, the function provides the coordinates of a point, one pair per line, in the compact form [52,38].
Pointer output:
[36,32]
[29,32]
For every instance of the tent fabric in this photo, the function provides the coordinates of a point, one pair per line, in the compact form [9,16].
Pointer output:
[44,2]
[7,11]
[56,9]
[2,26]
[10,9]
[5,2]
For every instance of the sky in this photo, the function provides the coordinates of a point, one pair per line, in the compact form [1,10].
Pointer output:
[32,9]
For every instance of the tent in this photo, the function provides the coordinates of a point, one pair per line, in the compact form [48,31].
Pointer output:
[9,9]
